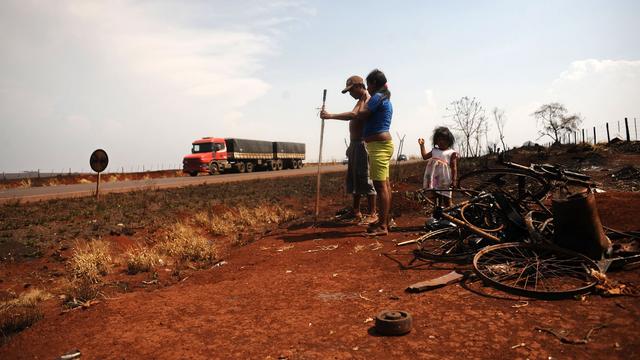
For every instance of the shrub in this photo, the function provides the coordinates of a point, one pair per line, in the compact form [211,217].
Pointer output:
[142,260]
[186,243]
[90,261]
[20,313]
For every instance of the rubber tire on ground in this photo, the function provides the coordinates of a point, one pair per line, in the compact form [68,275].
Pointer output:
[393,322]
[249,167]
[271,166]
[240,167]
[294,164]
[193,173]
[279,164]
[300,164]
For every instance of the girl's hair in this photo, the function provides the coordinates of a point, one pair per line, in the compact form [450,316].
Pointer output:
[378,80]
[444,133]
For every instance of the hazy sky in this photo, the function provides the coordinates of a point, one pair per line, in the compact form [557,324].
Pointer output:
[142,79]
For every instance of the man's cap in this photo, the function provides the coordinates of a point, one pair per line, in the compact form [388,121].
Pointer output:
[353,80]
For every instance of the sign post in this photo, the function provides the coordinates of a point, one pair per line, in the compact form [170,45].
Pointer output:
[98,161]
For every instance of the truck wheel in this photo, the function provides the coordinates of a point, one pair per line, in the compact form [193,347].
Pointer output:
[300,164]
[213,168]
[272,166]
[249,167]
[193,173]
[279,163]
[294,164]
[240,167]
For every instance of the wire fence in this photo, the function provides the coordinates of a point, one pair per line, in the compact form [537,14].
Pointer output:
[603,133]
[68,172]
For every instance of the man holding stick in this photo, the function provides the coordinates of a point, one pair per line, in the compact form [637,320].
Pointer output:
[358,181]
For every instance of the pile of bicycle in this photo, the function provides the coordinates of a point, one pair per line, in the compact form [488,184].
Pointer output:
[505,227]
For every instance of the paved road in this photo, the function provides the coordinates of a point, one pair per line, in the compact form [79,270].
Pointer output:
[78,190]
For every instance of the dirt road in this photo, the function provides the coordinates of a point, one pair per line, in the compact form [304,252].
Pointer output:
[79,190]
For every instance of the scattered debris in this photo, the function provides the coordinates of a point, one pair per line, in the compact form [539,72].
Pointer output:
[323,248]
[562,334]
[73,354]
[607,287]
[365,298]
[520,304]
[441,281]
[150,282]
[367,320]
[519,345]
[627,173]
[285,248]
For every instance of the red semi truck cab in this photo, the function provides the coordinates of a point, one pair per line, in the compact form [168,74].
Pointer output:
[214,155]
[204,153]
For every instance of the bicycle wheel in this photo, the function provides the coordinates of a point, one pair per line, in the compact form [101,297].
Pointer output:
[520,185]
[449,245]
[534,270]
[483,216]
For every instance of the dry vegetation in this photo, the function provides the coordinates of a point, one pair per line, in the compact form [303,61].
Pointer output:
[142,259]
[90,261]
[20,313]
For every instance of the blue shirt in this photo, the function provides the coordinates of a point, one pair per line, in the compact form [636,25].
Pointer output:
[380,119]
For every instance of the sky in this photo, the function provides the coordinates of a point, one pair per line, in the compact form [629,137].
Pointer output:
[142,79]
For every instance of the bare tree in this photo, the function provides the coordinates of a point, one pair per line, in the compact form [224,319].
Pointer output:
[555,121]
[469,120]
[500,120]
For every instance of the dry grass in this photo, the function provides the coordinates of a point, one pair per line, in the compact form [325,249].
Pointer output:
[20,313]
[80,290]
[90,261]
[142,260]
[187,244]
[242,219]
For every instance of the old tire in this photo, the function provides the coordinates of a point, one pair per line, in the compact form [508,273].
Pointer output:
[393,322]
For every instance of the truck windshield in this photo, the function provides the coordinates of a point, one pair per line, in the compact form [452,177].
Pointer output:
[202,148]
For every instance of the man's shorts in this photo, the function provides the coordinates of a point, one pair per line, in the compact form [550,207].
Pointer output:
[358,181]
[380,153]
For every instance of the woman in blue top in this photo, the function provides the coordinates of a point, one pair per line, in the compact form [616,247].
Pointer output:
[377,115]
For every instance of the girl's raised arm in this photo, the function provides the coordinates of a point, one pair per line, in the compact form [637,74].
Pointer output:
[425,155]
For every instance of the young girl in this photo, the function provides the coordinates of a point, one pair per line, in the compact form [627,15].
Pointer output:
[442,167]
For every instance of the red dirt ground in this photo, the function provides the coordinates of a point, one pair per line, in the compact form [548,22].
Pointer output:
[310,293]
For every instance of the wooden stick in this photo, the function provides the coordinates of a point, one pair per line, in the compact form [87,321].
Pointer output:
[324,99]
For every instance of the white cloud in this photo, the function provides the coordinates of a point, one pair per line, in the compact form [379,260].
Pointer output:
[143,77]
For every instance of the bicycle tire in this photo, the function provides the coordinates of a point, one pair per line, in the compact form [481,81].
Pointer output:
[557,273]
[450,246]
[527,183]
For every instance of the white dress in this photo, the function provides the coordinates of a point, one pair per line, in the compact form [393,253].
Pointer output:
[437,174]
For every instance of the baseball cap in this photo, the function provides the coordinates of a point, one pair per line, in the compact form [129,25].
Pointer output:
[353,80]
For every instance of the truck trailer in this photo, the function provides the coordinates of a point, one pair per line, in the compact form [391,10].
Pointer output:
[216,155]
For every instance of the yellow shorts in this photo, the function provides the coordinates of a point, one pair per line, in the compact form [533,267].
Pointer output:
[380,154]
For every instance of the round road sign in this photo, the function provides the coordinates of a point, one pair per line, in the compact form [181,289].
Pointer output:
[99,160]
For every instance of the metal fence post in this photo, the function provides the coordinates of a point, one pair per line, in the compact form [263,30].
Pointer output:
[608,137]
[626,125]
